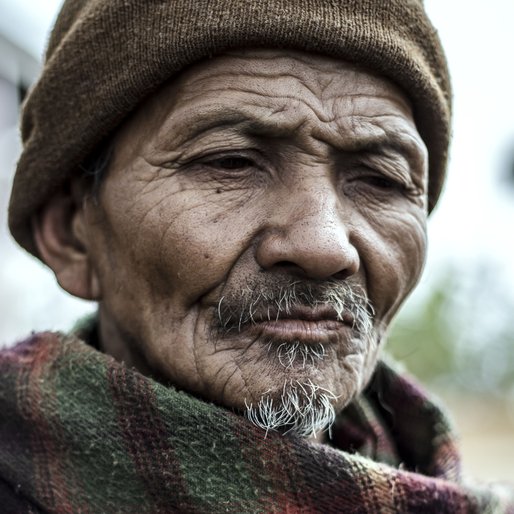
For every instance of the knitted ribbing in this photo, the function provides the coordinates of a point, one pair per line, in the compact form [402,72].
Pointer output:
[106,56]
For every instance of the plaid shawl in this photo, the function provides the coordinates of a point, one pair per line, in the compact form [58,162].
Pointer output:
[81,433]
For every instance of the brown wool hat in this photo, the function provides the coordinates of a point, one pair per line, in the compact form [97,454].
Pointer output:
[106,56]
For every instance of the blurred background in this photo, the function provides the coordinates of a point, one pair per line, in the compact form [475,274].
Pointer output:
[456,332]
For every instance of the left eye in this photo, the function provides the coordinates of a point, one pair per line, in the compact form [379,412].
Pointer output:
[381,182]
[234,162]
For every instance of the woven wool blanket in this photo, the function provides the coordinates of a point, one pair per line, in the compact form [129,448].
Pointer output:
[81,433]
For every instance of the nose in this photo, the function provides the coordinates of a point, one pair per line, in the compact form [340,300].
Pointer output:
[307,235]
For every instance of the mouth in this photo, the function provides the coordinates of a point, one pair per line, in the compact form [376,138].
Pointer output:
[309,325]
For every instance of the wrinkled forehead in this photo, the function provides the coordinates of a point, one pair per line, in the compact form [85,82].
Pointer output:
[106,56]
[274,93]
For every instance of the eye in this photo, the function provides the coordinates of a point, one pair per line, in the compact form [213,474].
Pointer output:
[231,163]
[381,182]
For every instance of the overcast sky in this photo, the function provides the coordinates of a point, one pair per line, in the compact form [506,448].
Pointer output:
[476,214]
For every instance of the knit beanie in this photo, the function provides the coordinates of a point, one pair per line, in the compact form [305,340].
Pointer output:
[105,57]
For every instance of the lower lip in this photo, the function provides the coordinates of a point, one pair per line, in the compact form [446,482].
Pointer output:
[300,330]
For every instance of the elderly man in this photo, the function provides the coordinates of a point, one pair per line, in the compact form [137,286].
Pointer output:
[243,188]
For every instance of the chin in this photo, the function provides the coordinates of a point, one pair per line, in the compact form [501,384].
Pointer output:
[304,387]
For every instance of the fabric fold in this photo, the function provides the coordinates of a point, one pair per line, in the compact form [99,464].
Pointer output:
[80,432]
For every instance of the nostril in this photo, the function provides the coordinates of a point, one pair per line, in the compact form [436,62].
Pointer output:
[291,267]
[285,264]
[342,275]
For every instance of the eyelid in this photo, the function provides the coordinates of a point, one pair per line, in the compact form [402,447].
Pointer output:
[230,163]
[216,155]
[380,168]
[226,155]
[397,170]
[372,174]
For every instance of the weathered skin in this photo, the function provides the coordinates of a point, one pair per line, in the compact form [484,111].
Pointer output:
[308,169]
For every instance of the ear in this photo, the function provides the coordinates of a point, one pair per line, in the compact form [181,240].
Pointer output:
[61,236]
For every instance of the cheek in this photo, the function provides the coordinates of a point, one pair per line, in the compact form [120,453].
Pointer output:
[181,243]
[393,254]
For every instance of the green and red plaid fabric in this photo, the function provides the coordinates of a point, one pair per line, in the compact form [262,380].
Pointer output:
[81,433]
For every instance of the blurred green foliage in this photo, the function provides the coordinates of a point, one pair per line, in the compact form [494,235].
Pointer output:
[461,334]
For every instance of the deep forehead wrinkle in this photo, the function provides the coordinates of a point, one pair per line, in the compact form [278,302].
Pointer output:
[314,90]
[363,133]
[295,70]
[291,89]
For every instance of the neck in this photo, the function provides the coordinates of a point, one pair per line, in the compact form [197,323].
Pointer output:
[113,342]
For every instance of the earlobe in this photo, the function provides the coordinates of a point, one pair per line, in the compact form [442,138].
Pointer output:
[61,237]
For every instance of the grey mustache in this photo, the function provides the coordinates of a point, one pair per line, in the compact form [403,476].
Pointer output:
[257,302]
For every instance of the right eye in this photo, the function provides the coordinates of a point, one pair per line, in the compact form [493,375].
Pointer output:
[231,163]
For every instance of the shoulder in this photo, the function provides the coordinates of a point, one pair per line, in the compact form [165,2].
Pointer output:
[31,349]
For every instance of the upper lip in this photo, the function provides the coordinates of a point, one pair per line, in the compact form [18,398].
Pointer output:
[298,312]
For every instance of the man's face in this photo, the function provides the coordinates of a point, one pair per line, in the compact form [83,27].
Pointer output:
[261,222]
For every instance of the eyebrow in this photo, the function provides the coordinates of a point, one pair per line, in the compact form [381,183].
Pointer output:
[206,120]
[379,145]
